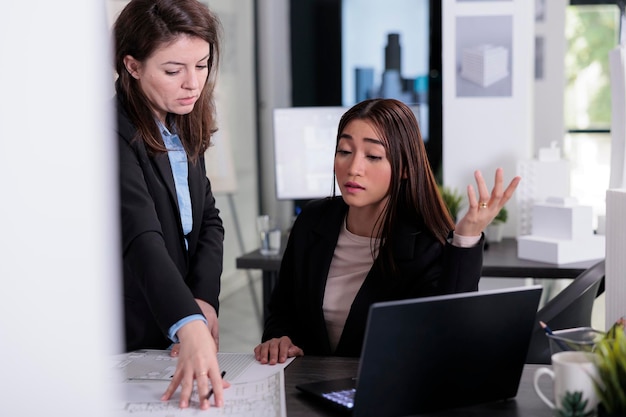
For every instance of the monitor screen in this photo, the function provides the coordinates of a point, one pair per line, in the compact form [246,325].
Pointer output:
[304,151]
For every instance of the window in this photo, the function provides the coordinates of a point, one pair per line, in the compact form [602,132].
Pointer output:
[591,31]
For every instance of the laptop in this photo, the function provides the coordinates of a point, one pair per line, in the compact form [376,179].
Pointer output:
[433,353]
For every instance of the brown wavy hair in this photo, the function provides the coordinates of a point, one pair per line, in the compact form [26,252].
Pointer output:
[144,26]
[413,191]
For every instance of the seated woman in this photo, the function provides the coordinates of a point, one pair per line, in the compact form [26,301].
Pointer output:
[389,236]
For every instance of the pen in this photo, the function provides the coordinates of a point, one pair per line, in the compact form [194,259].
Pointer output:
[211,390]
[548,331]
[545,328]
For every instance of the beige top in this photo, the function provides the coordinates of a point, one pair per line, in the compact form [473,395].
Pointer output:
[351,262]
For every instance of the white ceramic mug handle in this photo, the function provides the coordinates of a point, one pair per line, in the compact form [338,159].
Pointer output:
[538,374]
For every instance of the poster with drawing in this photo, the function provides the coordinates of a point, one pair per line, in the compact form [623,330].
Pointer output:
[484,56]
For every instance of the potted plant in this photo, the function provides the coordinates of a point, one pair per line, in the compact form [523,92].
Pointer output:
[495,229]
[610,355]
[453,200]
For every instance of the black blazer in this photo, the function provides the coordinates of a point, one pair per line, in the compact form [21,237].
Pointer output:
[425,267]
[161,278]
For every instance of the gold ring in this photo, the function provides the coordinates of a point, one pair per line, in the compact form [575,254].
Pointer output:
[483,204]
[202,374]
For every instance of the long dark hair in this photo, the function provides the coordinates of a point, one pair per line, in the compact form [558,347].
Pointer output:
[142,27]
[413,190]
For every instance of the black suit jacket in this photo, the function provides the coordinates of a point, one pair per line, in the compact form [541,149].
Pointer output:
[425,267]
[162,278]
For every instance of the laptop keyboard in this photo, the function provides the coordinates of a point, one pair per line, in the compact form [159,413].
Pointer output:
[344,397]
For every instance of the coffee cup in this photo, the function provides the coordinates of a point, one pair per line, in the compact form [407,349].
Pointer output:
[573,373]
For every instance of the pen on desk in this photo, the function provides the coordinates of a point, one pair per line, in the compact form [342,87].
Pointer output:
[211,390]
[548,331]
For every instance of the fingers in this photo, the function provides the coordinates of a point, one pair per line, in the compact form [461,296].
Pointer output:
[186,388]
[495,199]
[484,205]
[202,384]
[265,350]
[276,351]
[294,351]
[176,379]
[217,387]
[496,192]
[483,191]
[186,381]
[508,193]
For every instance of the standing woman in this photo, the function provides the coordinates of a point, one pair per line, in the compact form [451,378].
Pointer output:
[166,56]
[389,236]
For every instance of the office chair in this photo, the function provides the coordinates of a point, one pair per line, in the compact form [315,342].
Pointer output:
[568,309]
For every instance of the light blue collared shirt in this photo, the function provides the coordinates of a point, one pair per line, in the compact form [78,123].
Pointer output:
[178,162]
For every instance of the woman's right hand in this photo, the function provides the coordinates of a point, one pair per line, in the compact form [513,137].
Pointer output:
[276,350]
[197,361]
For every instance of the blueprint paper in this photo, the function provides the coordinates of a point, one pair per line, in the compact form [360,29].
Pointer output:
[256,390]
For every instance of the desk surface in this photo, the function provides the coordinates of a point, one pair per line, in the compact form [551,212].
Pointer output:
[310,368]
[500,260]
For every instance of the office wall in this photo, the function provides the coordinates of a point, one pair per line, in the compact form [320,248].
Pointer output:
[59,259]
[487,126]
[549,89]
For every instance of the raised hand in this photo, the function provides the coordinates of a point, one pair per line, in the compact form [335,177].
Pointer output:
[484,207]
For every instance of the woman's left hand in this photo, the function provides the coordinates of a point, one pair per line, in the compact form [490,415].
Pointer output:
[484,208]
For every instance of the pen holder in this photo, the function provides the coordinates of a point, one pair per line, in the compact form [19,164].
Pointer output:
[578,339]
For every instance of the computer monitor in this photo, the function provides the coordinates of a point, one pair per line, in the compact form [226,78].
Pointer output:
[304,150]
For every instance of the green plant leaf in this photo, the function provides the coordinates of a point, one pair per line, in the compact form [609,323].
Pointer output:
[610,356]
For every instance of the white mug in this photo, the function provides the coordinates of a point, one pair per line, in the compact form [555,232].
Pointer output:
[572,371]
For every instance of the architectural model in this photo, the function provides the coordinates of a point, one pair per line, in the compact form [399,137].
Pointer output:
[485,64]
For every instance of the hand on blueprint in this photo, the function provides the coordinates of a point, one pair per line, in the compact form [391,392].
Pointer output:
[212,322]
[276,350]
[197,360]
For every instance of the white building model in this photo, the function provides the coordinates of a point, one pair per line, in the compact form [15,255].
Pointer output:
[485,64]
[562,232]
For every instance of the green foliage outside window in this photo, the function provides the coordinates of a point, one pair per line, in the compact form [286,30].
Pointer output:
[591,32]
